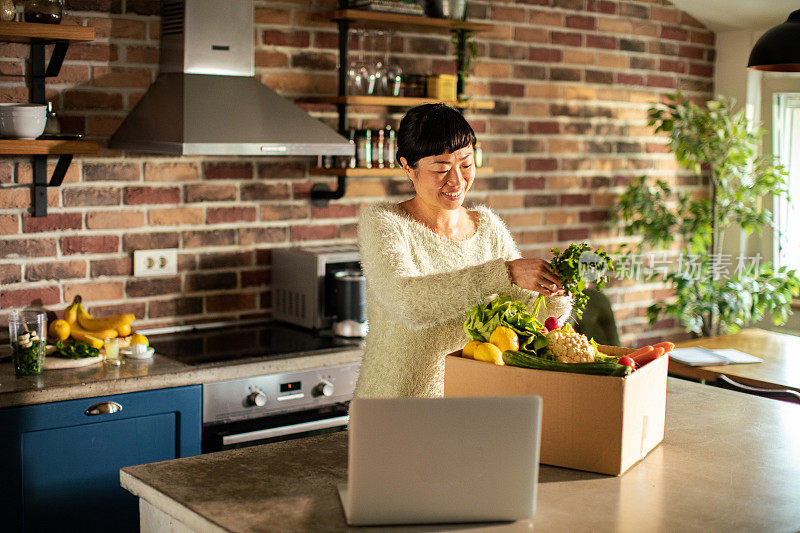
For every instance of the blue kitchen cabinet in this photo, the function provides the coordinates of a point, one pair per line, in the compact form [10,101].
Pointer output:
[61,462]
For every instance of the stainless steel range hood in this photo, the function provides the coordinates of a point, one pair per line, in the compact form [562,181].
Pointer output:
[205,101]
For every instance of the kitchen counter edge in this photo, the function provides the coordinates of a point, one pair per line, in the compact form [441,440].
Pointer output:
[55,385]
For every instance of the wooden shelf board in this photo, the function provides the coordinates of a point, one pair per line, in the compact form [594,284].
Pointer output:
[372,172]
[395,101]
[376,19]
[46,147]
[27,32]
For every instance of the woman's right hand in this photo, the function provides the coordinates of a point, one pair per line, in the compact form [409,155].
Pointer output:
[535,275]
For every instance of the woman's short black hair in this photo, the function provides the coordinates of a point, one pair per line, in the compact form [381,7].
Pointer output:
[432,129]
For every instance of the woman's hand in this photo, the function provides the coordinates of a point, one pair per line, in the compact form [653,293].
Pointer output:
[535,275]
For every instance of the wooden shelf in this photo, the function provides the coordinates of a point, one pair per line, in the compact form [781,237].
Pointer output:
[395,101]
[46,147]
[372,172]
[27,32]
[376,19]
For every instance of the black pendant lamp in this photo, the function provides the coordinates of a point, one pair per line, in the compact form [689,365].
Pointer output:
[778,50]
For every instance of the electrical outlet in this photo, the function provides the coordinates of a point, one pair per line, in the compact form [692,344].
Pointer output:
[155,262]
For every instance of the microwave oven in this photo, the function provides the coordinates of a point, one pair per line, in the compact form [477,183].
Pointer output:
[304,280]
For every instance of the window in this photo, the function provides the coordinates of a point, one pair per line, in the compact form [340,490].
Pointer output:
[786,135]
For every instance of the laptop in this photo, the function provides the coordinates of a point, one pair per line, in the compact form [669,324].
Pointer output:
[442,460]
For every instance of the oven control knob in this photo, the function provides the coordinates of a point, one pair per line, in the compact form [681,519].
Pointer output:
[324,388]
[257,398]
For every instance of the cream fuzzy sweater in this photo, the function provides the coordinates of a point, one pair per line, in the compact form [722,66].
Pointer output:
[420,287]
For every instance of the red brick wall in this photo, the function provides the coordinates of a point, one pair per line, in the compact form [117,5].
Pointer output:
[572,80]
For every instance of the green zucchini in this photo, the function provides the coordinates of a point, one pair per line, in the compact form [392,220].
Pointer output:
[526,360]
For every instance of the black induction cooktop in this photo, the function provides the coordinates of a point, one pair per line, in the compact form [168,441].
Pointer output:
[243,343]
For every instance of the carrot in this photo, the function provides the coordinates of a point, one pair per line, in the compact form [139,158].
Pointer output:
[668,346]
[641,351]
[649,357]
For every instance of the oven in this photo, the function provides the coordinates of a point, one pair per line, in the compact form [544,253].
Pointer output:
[271,407]
[257,410]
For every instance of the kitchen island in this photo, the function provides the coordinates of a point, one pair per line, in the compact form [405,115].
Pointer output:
[728,461]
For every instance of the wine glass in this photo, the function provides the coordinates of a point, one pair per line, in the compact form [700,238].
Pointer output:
[377,74]
[394,74]
[357,71]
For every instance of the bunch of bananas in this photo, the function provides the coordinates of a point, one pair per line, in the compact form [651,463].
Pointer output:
[84,327]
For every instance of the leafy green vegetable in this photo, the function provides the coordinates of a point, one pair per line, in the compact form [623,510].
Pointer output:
[576,266]
[484,319]
[28,361]
[76,349]
[600,356]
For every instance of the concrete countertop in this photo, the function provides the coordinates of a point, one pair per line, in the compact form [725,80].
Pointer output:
[157,373]
[728,461]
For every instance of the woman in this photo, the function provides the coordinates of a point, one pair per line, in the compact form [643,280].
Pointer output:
[428,260]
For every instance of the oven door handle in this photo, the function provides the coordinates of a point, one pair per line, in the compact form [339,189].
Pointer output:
[293,429]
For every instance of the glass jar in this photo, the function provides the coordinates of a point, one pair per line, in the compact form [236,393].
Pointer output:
[43,11]
[28,342]
[364,149]
[7,10]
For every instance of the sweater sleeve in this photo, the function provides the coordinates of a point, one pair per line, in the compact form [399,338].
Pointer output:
[558,306]
[420,300]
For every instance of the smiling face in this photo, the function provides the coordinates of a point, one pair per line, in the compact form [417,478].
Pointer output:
[442,181]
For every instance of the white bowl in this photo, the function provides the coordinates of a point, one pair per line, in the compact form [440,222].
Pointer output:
[22,125]
[23,109]
[147,353]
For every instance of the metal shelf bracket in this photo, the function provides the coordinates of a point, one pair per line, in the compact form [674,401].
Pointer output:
[39,72]
[40,183]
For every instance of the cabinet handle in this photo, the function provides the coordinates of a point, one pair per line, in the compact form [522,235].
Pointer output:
[103,408]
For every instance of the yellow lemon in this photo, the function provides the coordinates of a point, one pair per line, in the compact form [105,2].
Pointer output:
[124,330]
[505,338]
[59,329]
[468,351]
[138,338]
[490,353]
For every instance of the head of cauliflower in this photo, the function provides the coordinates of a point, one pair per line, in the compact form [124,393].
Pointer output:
[570,347]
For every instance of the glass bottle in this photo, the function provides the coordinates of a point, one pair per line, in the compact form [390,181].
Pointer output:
[53,125]
[43,11]
[391,147]
[378,149]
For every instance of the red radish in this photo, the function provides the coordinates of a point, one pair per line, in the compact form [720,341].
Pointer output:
[551,323]
[627,361]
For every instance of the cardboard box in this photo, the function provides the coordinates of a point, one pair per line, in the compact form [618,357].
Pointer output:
[597,423]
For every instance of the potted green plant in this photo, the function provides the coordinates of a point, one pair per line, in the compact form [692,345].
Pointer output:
[466,51]
[715,141]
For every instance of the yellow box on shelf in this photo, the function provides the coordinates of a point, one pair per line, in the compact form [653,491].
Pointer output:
[442,87]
